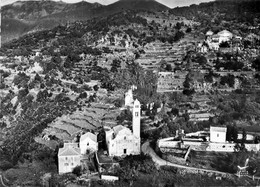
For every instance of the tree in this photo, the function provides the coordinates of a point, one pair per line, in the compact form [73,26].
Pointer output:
[77,171]
[229,133]
[202,60]
[229,80]
[244,136]
[178,25]
[179,35]
[42,96]
[168,67]
[22,93]
[256,63]
[128,174]
[188,30]
[115,65]
[95,88]
[232,133]
[188,90]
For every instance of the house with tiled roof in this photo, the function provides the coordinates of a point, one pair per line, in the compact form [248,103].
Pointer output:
[69,157]
[88,143]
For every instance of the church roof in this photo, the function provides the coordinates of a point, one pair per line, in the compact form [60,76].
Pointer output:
[69,151]
[118,128]
[88,135]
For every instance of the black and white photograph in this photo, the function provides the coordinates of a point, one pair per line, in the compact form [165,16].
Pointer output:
[129,93]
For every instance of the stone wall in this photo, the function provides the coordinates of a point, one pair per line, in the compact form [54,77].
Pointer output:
[173,159]
[205,146]
[209,173]
[221,147]
[168,143]
[229,147]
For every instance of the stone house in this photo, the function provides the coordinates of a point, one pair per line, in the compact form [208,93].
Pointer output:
[218,134]
[69,157]
[88,143]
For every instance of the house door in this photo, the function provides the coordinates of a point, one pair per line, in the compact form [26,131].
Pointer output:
[124,151]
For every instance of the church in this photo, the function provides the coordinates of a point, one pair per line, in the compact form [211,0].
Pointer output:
[121,140]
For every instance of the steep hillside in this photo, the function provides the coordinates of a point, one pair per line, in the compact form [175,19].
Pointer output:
[13,28]
[230,10]
[30,16]
[34,10]
[48,14]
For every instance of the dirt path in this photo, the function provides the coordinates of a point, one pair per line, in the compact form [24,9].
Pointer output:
[2,182]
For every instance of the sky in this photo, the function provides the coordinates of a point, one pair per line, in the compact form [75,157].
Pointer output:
[169,3]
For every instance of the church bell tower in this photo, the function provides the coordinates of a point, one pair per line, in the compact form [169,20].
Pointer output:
[136,118]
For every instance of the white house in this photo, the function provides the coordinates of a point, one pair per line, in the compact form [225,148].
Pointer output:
[69,157]
[129,98]
[209,33]
[36,68]
[224,36]
[88,142]
[121,140]
[218,134]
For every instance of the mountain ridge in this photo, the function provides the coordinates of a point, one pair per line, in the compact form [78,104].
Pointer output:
[39,15]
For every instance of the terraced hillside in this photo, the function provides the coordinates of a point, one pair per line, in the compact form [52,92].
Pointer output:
[91,118]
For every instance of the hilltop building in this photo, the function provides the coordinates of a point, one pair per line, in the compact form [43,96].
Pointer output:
[121,140]
[212,140]
[224,36]
[213,40]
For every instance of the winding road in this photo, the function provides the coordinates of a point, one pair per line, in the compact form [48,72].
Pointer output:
[146,149]
[2,182]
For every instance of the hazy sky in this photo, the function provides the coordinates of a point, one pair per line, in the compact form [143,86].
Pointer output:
[169,3]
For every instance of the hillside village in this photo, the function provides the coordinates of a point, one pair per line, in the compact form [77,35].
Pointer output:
[130,98]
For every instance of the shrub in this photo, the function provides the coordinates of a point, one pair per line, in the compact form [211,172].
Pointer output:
[77,170]
[5,165]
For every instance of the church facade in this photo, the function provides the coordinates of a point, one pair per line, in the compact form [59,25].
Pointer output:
[121,140]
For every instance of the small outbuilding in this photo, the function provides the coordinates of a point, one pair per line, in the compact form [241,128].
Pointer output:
[218,134]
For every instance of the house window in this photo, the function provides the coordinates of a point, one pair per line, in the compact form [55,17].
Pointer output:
[87,144]
[66,158]
[66,164]
[136,106]
[124,151]
[125,137]
[217,135]
[136,114]
[72,164]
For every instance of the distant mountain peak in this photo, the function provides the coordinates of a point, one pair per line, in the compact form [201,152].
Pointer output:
[136,0]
